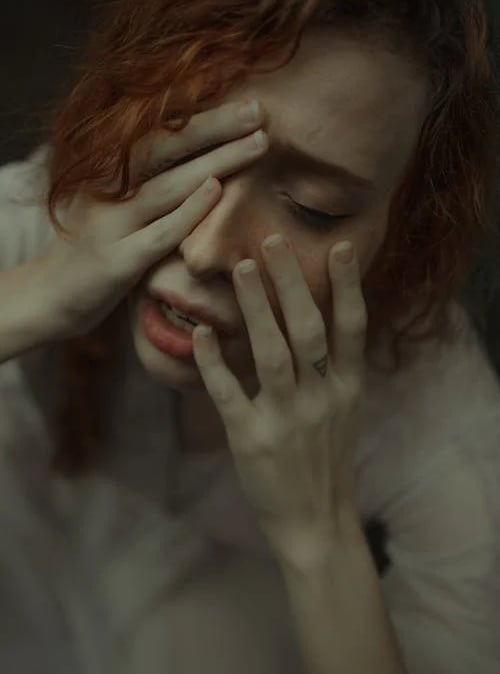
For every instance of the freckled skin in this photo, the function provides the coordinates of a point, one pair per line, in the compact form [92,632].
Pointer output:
[365,109]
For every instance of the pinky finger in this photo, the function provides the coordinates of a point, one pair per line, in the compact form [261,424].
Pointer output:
[135,253]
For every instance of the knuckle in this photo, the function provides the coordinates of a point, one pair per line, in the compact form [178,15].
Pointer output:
[104,263]
[152,155]
[136,211]
[190,212]
[353,390]
[102,252]
[224,395]
[157,234]
[142,197]
[311,332]
[154,238]
[354,319]
[314,412]
[276,363]
[155,198]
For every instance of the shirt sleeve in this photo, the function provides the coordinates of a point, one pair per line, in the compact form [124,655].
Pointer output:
[25,226]
[430,473]
[442,588]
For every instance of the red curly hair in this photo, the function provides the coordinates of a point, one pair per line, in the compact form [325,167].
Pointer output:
[151,65]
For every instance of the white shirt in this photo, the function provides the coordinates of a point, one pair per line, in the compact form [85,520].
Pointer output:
[104,576]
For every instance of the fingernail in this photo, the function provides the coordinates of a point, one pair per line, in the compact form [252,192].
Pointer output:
[273,241]
[260,139]
[255,108]
[210,185]
[250,113]
[344,252]
[203,331]
[246,267]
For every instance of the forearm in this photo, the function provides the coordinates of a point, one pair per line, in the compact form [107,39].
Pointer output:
[338,607]
[25,315]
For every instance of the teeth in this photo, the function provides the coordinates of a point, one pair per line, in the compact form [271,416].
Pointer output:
[183,316]
[181,323]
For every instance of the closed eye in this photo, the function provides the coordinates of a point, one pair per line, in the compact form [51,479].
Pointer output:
[318,220]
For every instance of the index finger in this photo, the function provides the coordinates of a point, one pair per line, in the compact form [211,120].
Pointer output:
[161,150]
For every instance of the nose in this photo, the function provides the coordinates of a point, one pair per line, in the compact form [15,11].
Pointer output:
[229,233]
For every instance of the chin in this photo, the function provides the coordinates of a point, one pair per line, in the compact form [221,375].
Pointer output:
[178,374]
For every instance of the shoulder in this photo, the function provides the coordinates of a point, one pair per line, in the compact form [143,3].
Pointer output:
[26,178]
[444,408]
[25,225]
[449,390]
[428,468]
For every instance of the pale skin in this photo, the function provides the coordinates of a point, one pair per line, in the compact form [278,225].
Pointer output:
[286,396]
[365,109]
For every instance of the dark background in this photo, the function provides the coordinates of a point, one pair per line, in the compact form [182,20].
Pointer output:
[41,41]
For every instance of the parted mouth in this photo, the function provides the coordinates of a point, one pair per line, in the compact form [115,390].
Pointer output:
[188,319]
[193,313]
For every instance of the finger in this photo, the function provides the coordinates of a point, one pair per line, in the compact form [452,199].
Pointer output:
[305,324]
[349,318]
[168,190]
[157,151]
[231,401]
[273,361]
[137,252]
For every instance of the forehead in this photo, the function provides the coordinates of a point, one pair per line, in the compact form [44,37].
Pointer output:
[348,99]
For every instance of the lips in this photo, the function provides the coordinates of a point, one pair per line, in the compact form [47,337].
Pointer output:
[197,312]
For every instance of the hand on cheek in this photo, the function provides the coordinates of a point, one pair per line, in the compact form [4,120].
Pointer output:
[301,422]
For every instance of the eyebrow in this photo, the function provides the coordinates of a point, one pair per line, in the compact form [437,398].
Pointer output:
[335,172]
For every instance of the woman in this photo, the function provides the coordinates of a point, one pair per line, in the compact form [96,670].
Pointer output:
[182,521]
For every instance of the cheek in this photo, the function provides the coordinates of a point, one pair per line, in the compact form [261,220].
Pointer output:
[321,292]
[369,243]
[132,302]
[366,259]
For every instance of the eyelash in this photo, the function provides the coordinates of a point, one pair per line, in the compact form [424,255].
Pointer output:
[317,220]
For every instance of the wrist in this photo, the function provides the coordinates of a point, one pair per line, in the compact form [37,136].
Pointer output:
[26,319]
[306,546]
[52,319]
